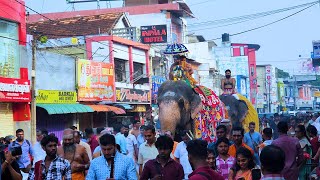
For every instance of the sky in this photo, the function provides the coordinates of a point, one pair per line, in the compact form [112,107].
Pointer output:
[281,43]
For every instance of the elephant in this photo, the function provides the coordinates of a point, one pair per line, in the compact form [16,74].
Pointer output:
[182,107]
[240,111]
[237,109]
[200,110]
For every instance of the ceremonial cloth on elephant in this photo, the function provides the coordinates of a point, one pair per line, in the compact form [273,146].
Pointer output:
[210,115]
[252,115]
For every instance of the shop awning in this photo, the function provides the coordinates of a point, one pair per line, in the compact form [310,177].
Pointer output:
[65,108]
[106,108]
[125,106]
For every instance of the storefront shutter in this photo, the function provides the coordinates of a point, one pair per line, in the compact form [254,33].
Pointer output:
[6,120]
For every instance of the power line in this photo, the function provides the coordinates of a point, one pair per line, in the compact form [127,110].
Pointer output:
[12,39]
[81,35]
[268,24]
[250,16]
[195,4]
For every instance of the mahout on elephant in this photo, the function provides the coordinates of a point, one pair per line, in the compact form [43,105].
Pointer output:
[184,105]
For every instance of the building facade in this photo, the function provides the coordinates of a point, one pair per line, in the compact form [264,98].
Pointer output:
[15,94]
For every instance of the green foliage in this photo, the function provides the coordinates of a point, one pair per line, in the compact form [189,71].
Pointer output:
[316,82]
[281,74]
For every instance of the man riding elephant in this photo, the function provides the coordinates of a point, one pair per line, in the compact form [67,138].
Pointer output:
[185,105]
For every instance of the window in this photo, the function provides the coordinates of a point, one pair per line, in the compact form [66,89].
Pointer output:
[120,69]
[163,1]
[241,51]
[138,70]
[9,50]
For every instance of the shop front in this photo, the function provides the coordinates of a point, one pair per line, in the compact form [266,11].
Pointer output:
[95,81]
[14,84]
[58,110]
[139,102]
[15,97]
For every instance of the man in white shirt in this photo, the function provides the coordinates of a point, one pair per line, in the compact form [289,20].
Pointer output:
[77,140]
[181,154]
[39,153]
[315,123]
[131,142]
[147,150]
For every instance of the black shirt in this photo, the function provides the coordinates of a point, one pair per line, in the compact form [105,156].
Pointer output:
[6,173]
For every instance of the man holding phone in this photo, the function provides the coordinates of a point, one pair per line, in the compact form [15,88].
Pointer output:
[24,159]
[9,166]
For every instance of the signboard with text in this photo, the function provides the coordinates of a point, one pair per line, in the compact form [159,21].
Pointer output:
[156,83]
[316,49]
[56,97]
[153,34]
[14,90]
[135,96]
[95,81]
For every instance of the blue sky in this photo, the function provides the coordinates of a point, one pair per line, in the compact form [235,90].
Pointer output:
[281,43]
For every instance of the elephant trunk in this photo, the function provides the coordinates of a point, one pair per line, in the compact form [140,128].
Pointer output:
[169,115]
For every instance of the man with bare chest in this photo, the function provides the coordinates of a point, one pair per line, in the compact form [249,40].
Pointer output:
[135,128]
[75,154]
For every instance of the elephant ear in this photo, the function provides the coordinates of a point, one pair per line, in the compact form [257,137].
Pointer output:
[242,110]
[196,105]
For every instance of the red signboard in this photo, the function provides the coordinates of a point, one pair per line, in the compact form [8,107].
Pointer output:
[154,34]
[14,90]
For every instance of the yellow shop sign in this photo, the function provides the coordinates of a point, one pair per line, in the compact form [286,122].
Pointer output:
[139,108]
[56,97]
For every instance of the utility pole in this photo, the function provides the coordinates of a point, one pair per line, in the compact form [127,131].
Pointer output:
[269,97]
[294,92]
[33,91]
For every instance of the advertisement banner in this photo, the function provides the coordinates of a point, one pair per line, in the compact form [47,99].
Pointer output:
[316,94]
[153,34]
[135,96]
[316,49]
[14,90]
[56,97]
[95,81]
[238,65]
[156,83]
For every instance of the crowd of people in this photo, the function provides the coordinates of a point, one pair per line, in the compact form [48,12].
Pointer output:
[284,149]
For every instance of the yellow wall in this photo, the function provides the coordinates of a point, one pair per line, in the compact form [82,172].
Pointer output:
[6,120]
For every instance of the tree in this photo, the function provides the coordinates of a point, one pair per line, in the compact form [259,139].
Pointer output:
[281,74]
[316,82]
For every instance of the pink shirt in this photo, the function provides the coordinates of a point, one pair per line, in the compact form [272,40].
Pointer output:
[223,167]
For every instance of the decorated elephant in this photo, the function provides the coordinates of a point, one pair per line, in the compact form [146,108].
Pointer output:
[199,109]
[182,107]
[241,111]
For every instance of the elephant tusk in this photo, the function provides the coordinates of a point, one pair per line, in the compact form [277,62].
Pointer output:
[189,136]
